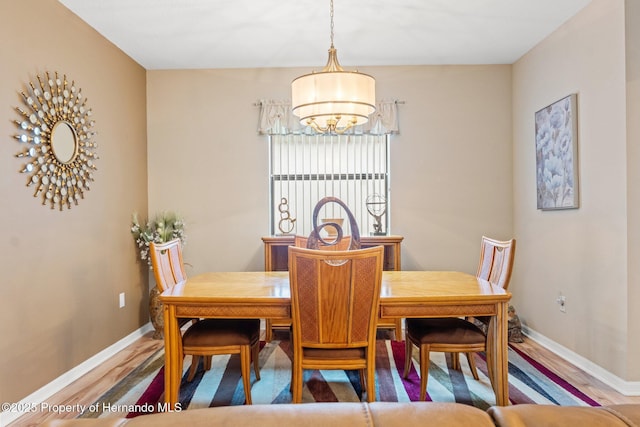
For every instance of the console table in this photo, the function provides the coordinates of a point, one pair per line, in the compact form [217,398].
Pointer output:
[276,255]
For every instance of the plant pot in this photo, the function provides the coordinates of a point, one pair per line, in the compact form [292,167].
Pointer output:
[156,313]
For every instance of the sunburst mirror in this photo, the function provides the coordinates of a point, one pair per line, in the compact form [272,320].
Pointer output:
[55,129]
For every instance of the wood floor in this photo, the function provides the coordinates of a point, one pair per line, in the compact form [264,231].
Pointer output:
[90,387]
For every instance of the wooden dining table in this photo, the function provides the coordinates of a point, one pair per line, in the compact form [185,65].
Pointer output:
[403,294]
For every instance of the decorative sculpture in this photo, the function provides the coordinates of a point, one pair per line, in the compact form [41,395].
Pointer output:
[315,239]
[377,207]
[286,222]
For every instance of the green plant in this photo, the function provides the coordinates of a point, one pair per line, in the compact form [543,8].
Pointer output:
[161,228]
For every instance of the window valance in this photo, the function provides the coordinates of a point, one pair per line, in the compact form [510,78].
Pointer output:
[276,118]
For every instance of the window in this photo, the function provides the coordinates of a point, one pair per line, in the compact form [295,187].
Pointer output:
[306,168]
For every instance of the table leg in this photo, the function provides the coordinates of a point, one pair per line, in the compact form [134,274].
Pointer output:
[172,356]
[498,355]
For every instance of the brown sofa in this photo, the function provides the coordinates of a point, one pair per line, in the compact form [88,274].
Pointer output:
[378,414]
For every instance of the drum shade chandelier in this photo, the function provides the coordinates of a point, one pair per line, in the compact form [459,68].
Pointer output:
[333,100]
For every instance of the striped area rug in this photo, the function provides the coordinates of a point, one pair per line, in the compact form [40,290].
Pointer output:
[142,391]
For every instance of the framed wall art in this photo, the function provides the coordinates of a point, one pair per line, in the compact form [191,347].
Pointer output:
[557,155]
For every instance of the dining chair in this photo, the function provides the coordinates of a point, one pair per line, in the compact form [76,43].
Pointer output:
[167,263]
[457,335]
[335,298]
[383,323]
[301,242]
[208,337]
[168,270]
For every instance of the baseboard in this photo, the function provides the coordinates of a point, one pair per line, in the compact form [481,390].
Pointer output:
[627,388]
[48,390]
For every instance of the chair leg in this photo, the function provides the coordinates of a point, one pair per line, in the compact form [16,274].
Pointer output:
[371,379]
[292,379]
[245,369]
[255,355]
[455,361]
[472,365]
[363,384]
[408,347]
[268,330]
[296,382]
[424,370]
[489,352]
[193,368]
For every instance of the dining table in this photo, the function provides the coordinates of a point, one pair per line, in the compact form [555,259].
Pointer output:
[404,294]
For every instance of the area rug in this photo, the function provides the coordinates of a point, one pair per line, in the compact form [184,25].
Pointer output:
[141,391]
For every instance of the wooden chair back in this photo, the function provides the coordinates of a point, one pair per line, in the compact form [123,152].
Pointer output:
[168,267]
[496,261]
[335,297]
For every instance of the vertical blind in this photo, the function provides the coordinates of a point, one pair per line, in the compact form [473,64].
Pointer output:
[305,168]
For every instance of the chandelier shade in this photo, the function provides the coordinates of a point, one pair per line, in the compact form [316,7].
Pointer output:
[341,96]
[333,100]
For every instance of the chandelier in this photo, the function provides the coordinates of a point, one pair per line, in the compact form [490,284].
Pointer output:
[333,100]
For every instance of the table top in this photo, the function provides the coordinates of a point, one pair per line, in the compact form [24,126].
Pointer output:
[397,286]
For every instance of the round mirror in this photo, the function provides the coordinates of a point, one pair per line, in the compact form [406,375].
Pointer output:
[63,142]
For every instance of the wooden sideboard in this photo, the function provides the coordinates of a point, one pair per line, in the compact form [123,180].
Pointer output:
[276,254]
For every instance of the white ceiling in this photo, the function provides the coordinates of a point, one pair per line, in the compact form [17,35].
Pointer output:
[187,34]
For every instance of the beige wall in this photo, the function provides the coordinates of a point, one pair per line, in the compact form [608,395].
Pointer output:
[63,271]
[582,253]
[632,30]
[451,164]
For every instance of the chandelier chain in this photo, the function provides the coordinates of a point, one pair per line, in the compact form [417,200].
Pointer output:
[331,16]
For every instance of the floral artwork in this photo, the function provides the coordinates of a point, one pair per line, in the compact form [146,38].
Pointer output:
[556,155]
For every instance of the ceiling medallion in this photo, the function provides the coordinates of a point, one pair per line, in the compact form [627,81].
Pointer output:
[55,127]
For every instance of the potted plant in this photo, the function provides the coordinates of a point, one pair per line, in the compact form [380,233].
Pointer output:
[162,228]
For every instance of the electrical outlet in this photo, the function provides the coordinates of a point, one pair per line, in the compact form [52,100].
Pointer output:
[121,299]
[562,302]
